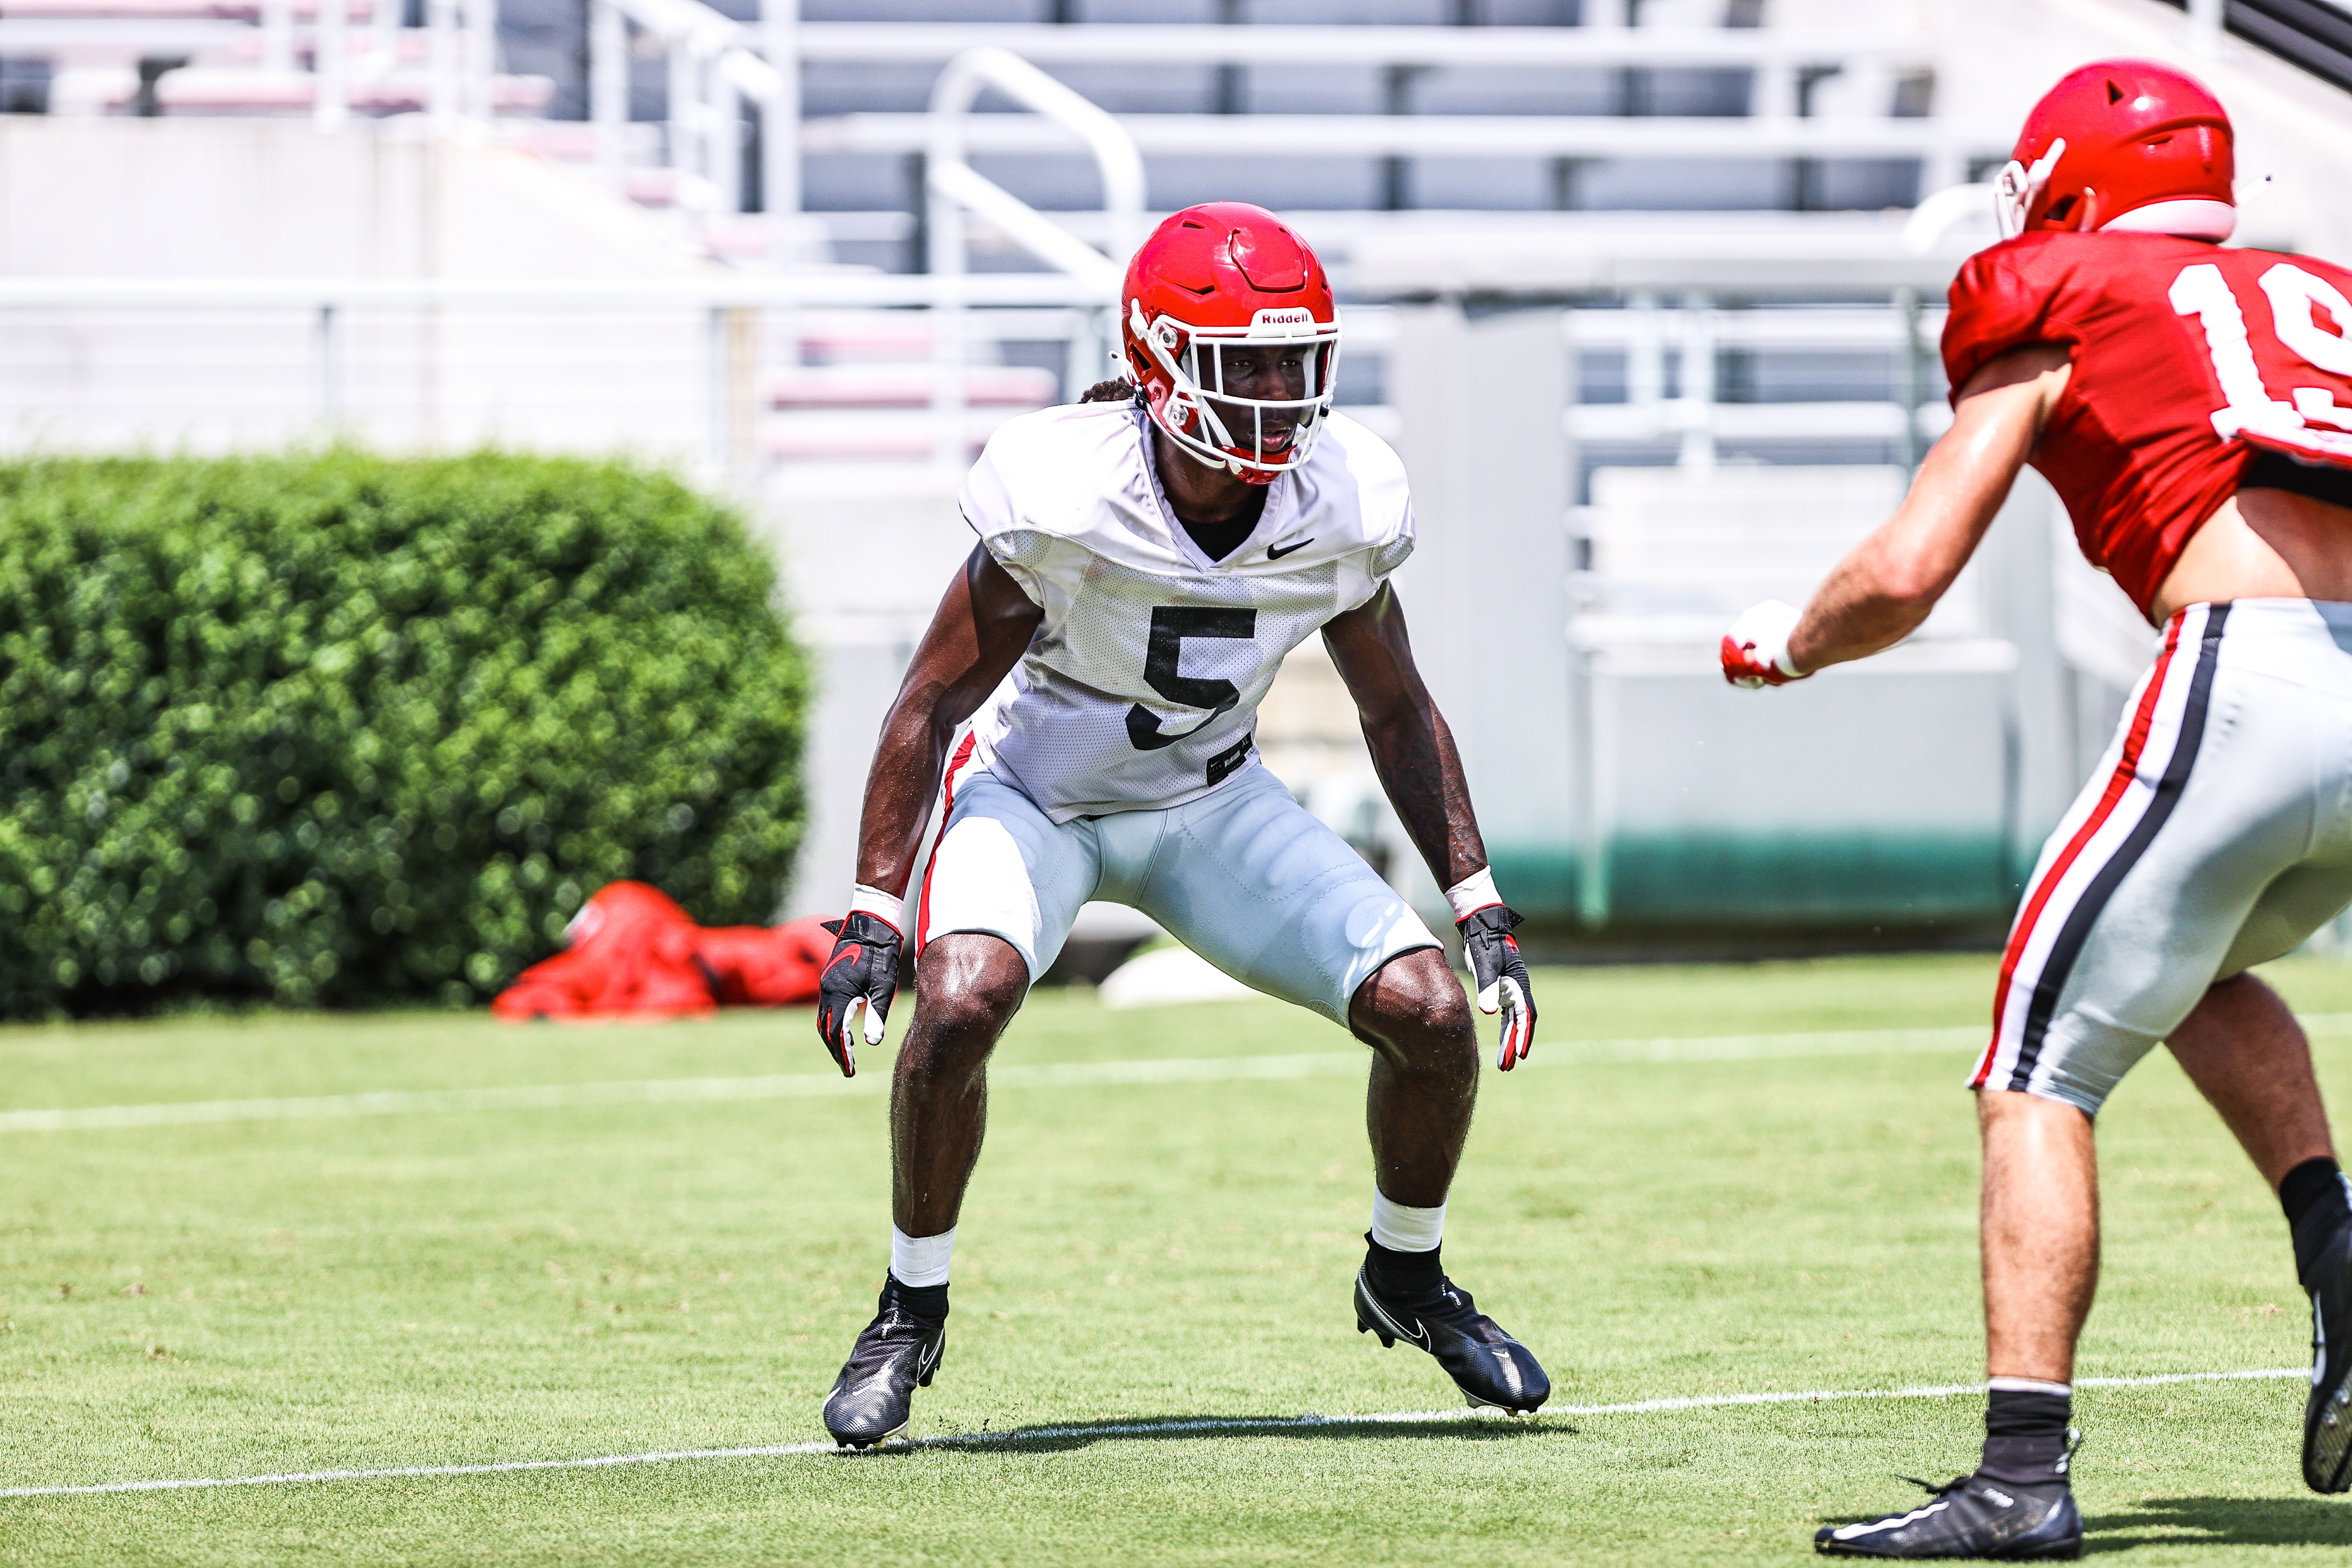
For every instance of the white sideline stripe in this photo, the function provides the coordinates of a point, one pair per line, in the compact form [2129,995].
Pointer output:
[1275,1423]
[1055,1075]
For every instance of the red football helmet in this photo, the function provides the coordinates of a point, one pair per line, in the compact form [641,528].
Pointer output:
[2122,144]
[1216,277]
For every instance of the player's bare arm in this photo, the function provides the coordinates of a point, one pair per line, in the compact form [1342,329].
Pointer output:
[982,627]
[1412,751]
[2261,544]
[979,632]
[1881,592]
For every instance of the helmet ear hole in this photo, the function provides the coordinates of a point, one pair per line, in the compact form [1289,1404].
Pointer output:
[2061,208]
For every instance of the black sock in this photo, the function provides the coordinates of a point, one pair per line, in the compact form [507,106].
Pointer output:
[1403,1271]
[2312,1195]
[929,1302]
[2025,1436]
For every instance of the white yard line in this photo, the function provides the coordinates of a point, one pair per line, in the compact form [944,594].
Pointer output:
[1052,1074]
[1179,1426]
[1007,1076]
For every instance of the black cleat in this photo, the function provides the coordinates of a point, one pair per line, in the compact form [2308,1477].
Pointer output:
[1486,1364]
[896,1353]
[2327,1418]
[1970,1516]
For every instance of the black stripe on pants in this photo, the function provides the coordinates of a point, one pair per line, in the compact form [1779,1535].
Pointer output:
[2068,948]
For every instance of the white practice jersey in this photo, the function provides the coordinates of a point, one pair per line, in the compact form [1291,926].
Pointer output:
[1140,688]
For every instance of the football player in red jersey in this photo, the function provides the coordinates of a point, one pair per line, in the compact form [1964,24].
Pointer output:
[1144,564]
[2192,406]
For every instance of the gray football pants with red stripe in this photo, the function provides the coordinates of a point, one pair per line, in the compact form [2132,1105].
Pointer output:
[2215,834]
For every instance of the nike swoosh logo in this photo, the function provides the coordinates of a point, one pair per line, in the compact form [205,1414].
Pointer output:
[1856,1531]
[1418,1335]
[928,1359]
[1273,553]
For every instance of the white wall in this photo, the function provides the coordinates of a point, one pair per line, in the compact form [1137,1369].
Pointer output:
[277,198]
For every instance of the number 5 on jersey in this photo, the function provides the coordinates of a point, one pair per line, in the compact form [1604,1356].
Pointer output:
[1170,624]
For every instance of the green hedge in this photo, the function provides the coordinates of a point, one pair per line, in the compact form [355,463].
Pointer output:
[337,729]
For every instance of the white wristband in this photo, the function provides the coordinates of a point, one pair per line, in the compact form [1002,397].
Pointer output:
[874,902]
[1473,893]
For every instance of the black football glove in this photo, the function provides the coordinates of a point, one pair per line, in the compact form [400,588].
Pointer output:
[863,973]
[1502,977]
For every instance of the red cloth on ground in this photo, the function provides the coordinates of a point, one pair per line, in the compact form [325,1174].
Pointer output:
[634,954]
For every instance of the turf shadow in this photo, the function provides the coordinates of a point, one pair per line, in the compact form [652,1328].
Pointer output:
[2221,1521]
[1065,1436]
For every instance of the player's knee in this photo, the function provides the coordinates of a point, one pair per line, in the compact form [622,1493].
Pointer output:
[1414,1012]
[977,1007]
[966,989]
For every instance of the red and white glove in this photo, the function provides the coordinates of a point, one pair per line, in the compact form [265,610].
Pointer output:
[1756,648]
[1495,966]
[862,975]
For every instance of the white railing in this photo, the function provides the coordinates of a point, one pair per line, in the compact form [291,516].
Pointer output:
[747,290]
[679,368]
[1692,333]
[954,187]
[714,73]
[346,346]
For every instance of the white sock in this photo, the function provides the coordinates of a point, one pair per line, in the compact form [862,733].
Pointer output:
[2027,1386]
[920,1260]
[1403,1228]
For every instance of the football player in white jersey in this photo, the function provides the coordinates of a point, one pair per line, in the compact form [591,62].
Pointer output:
[1145,561]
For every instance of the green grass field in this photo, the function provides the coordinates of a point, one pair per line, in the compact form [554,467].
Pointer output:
[500,1281]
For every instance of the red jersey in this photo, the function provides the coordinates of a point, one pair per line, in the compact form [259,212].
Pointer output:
[2187,357]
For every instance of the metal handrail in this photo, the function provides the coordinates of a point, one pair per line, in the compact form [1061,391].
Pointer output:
[714,69]
[1029,307]
[954,187]
[1940,212]
[747,290]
